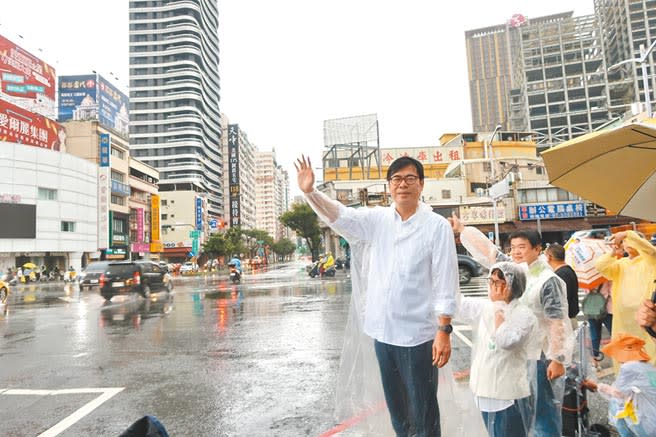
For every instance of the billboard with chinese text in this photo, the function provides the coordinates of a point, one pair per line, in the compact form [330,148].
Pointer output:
[26,80]
[77,98]
[233,174]
[112,107]
[557,210]
[425,155]
[17,125]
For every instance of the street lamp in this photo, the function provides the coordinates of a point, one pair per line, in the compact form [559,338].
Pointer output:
[490,157]
[642,60]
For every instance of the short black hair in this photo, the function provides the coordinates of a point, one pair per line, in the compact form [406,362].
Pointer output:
[403,162]
[556,251]
[518,284]
[531,235]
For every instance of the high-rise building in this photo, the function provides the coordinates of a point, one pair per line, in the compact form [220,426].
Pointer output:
[547,75]
[238,176]
[272,194]
[174,96]
[626,25]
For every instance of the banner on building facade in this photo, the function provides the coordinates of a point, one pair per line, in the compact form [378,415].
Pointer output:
[112,107]
[26,80]
[18,125]
[233,175]
[103,207]
[199,213]
[556,210]
[140,224]
[104,150]
[425,155]
[154,218]
[479,215]
[77,98]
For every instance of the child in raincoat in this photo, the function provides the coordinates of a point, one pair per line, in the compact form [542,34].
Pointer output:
[632,398]
[502,327]
[633,281]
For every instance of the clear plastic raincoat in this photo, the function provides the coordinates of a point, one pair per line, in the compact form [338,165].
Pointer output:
[501,374]
[360,401]
[633,282]
[546,296]
[632,399]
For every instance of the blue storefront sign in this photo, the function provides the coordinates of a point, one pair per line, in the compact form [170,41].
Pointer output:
[104,150]
[199,213]
[556,210]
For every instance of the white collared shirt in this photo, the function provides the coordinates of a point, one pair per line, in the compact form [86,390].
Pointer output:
[412,274]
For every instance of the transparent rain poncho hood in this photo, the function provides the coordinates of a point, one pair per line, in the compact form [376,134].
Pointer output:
[502,377]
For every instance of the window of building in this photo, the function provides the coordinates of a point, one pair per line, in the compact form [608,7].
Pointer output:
[164,202]
[446,194]
[47,194]
[118,226]
[118,200]
[118,176]
[539,170]
[487,167]
[118,153]
[68,226]
[164,216]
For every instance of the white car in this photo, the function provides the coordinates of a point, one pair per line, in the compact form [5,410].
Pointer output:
[188,267]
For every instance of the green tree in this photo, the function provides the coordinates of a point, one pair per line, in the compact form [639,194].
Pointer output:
[216,246]
[254,237]
[234,241]
[283,247]
[305,223]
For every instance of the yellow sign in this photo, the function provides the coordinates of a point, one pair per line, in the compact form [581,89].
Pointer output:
[154,218]
[156,247]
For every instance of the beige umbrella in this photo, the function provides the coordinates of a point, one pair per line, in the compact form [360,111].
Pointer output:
[581,254]
[615,168]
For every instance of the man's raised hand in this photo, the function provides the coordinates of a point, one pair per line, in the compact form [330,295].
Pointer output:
[305,174]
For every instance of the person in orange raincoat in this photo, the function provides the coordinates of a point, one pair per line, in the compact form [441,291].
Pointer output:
[633,282]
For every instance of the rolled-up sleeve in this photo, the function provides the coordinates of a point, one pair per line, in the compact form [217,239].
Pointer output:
[444,269]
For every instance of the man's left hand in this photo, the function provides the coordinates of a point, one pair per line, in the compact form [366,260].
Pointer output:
[441,349]
[555,370]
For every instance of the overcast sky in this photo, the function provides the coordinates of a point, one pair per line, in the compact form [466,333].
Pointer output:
[287,65]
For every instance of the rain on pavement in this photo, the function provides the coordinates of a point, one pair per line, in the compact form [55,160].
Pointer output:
[212,358]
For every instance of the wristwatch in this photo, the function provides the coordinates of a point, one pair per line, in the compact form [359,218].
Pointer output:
[445,328]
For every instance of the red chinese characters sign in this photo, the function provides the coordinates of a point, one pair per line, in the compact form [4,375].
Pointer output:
[20,126]
[425,155]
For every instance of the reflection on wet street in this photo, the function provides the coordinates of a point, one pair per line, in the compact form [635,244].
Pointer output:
[211,358]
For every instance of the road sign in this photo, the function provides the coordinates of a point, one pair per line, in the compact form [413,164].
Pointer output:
[194,234]
[213,224]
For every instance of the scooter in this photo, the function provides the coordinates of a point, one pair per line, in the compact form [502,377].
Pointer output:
[329,272]
[314,269]
[235,275]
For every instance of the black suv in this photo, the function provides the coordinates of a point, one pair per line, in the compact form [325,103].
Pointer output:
[90,276]
[468,268]
[140,276]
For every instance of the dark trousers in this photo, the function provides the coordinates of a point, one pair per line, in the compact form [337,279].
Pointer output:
[410,385]
[514,421]
[548,422]
[595,331]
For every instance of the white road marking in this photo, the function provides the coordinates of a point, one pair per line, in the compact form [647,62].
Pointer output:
[77,415]
[461,336]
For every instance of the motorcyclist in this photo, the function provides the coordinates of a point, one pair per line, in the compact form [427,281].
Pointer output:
[235,261]
[327,261]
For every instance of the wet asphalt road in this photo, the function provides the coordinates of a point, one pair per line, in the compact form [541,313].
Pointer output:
[211,359]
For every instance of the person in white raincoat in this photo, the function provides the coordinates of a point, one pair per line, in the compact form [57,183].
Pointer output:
[552,344]
[404,295]
[502,327]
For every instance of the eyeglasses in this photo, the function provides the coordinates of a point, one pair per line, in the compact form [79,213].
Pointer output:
[496,283]
[409,179]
